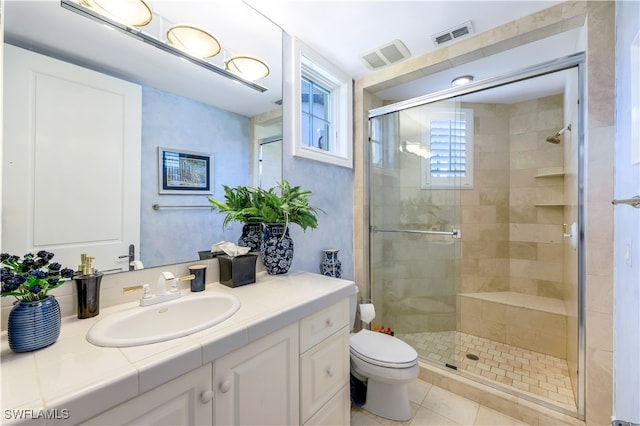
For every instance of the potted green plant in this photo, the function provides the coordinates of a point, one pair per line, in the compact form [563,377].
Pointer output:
[238,206]
[34,321]
[278,207]
[274,209]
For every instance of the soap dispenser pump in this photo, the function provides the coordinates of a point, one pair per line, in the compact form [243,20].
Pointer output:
[88,286]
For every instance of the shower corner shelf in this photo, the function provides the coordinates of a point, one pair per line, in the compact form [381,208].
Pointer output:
[546,172]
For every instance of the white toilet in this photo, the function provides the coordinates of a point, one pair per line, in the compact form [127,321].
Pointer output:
[387,365]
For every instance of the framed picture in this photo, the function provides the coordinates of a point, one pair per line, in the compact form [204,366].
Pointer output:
[184,172]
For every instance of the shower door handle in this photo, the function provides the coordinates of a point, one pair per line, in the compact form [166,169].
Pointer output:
[455,233]
[633,202]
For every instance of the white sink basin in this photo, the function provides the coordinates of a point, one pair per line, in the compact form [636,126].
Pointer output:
[164,321]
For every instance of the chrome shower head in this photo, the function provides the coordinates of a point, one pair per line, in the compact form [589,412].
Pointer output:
[556,138]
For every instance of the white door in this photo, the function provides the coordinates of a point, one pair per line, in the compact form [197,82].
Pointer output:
[69,134]
[626,217]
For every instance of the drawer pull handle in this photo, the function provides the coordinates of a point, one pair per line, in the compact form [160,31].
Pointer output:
[206,396]
[225,386]
[329,322]
[330,371]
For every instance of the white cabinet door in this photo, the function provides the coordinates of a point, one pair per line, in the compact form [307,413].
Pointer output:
[186,400]
[70,133]
[258,384]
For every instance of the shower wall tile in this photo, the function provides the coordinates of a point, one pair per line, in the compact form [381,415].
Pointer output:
[548,271]
[479,214]
[535,233]
[523,250]
[523,285]
[550,215]
[493,232]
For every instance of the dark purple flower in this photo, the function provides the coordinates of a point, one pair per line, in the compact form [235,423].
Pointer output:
[39,274]
[35,289]
[4,256]
[42,253]
[55,267]
[5,273]
[27,264]
[39,262]
[53,281]
[67,273]
[10,285]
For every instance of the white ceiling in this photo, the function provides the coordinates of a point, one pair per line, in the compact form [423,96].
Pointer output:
[341,31]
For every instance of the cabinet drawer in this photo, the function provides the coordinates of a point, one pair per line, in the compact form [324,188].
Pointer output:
[324,370]
[335,412]
[317,327]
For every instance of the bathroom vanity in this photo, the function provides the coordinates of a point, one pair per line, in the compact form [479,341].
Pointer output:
[282,358]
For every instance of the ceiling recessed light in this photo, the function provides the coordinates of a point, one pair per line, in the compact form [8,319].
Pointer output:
[462,80]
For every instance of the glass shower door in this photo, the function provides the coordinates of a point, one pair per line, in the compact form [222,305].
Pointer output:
[418,161]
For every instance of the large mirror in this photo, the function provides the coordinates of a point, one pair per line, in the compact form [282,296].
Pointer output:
[184,107]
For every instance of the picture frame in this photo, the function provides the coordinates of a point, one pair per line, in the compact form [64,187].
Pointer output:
[184,172]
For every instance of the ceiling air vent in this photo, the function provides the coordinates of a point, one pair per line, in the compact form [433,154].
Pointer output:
[452,33]
[390,53]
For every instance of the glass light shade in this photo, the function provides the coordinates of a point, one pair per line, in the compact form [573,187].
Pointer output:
[247,67]
[193,40]
[462,80]
[133,13]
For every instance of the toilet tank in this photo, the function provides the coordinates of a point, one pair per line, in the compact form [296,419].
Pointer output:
[353,307]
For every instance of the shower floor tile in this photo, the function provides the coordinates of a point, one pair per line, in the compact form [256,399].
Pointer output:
[543,376]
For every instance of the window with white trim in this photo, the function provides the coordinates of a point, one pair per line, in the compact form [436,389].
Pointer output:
[322,109]
[448,137]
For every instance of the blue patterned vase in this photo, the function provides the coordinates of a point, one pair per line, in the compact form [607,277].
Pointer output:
[331,265]
[34,325]
[277,249]
[251,236]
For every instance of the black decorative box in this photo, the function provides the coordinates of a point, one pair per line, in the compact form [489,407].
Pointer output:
[237,271]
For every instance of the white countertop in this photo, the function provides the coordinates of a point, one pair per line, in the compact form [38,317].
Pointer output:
[84,379]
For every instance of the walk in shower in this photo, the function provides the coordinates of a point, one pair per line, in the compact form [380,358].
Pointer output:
[475,230]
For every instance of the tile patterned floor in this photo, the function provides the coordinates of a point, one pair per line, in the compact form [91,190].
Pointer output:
[533,373]
[431,406]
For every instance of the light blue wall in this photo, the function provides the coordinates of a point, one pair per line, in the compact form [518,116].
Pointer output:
[332,188]
[170,121]
[627,232]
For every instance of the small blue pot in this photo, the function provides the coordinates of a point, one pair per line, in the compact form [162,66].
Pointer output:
[34,325]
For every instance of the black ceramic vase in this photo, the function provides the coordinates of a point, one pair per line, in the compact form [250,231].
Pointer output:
[276,251]
[88,288]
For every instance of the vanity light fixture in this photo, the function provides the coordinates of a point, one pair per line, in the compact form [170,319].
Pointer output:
[462,80]
[247,67]
[134,13]
[83,8]
[193,40]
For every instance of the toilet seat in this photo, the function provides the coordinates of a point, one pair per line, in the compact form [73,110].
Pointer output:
[382,350]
